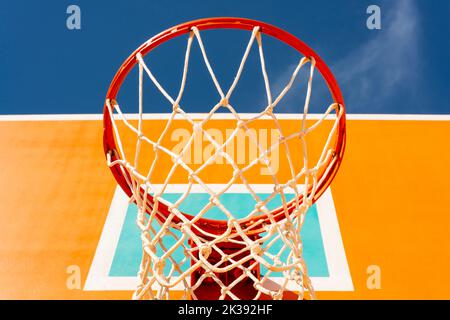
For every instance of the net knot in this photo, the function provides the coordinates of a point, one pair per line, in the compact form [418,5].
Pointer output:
[264,160]
[277,188]
[307,202]
[192,177]
[224,291]
[159,266]
[236,173]
[256,249]
[240,124]
[269,110]
[298,261]
[197,127]
[273,229]
[292,184]
[205,251]
[287,226]
[178,159]
[150,247]
[303,207]
[231,222]
[259,206]
[277,261]
[296,275]
[112,102]
[214,200]
[173,209]
[297,212]
[224,102]
[185,226]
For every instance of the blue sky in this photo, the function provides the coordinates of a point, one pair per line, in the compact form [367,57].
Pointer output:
[402,68]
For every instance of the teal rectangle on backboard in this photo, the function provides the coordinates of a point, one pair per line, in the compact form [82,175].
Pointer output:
[128,252]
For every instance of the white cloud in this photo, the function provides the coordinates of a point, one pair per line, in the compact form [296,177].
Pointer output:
[372,73]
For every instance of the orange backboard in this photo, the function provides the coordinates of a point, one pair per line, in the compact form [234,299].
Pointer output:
[384,218]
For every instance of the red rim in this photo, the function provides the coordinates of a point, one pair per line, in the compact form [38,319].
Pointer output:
[209,225]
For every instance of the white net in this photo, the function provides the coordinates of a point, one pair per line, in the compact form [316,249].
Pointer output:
[184,254]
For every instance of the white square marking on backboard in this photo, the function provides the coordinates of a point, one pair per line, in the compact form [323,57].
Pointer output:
[339,278]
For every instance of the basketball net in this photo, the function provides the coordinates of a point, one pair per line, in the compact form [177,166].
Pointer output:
[227,261]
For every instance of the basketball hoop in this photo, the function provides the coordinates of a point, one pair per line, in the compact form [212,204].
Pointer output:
[222,258]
